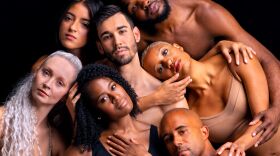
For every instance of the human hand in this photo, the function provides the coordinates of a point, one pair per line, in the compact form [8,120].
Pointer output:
[234,149]
[171,91]
[72,100]
[120,146]
[270,122]
[226,47]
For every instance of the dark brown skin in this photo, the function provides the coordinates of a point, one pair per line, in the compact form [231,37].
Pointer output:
[197,25]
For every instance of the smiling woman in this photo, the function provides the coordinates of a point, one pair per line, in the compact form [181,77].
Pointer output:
[24,125]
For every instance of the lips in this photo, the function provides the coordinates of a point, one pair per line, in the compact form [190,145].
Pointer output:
[70,37]
[121,103]
[153,8]
[177,65]
[42,92]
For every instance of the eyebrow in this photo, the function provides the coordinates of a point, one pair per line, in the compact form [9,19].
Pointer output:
[118,28]
[181,127]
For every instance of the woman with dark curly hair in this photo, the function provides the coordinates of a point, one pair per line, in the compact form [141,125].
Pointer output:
[107,107]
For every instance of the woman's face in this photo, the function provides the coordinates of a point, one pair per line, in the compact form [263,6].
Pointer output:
[165,60]
[74,27]
[53,80]
[110,98]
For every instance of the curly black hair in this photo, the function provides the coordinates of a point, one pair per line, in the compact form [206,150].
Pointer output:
[89,126]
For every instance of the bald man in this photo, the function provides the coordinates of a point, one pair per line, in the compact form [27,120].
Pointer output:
[184,134]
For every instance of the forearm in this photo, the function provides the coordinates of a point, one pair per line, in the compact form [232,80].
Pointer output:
[246,140]
[272,72]
[148,101]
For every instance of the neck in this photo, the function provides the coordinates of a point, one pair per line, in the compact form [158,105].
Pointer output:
[137,77]
[209,150]
[76,52]
[42,115]
[124,125]
[200,75]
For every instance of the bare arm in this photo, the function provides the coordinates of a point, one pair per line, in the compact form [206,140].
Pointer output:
[220,23]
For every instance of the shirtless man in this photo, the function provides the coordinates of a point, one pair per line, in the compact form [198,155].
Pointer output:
[197,25]
[117,39]
[184,134]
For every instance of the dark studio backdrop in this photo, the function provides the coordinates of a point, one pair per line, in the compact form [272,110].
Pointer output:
[28,31]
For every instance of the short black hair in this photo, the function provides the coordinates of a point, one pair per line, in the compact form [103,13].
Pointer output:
[89,126]
[108,11]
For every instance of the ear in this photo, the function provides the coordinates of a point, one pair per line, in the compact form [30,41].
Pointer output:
[99,47]
[136,33]
[178,46]
[205,132]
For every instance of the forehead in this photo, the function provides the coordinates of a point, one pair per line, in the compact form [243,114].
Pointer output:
[61,68]
[113,23]
[171,122]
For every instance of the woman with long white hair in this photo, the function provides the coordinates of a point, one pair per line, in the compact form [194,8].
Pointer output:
[25,129]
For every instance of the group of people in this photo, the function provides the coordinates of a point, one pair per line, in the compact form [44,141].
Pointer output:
[134,101]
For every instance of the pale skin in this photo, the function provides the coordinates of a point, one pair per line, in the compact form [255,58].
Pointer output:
[211,82]
[197,28]
[51,83]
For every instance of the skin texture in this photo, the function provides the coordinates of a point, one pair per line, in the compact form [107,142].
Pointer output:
[52,82]
[184,134]
[74,27]
[200,25]
[208,87]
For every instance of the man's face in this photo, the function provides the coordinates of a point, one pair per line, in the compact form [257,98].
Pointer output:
[117,39]
[147,11]
[182,136]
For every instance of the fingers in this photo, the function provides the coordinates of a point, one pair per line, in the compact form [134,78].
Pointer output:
[121,138]
[245,55]
[224,147]
[235,49]
[257,118]
[226,51]
[116,147]
[172,79]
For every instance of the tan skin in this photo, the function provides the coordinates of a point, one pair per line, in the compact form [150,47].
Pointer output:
[51,83]
[183,133]
[211,81]
[200,23]
[116,33]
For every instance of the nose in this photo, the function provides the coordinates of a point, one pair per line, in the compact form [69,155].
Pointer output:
[47,83]
[177,141]
[145,4]
[115,97]
[118,40]
[166,63]
[74,26]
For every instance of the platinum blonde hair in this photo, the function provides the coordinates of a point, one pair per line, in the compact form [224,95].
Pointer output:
[19,118]
[148,48]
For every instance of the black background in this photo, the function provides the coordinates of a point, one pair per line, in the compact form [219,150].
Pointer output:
[28,30]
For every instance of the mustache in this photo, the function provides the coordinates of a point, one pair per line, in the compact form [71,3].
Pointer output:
[116,48]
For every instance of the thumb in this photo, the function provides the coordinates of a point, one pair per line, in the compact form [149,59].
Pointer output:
[256,119]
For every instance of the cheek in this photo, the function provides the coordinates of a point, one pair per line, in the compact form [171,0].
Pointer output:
[59,94]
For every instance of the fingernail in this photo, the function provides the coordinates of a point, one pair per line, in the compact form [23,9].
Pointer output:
[109,137]
[257,144]
[246,61]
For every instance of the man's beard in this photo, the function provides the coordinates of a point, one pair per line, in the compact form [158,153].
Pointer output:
[120,61]
[165,13]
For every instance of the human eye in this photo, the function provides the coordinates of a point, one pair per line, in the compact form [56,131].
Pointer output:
[67,17]
[160,69]
[134,8]
[122,31]
[113,87]
[103,99]
[106,37]
[60,83]
[164,52]
[45,72]
[167,139]
[86,24]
